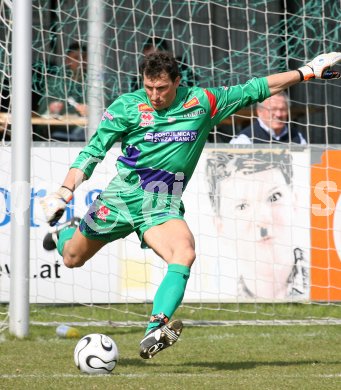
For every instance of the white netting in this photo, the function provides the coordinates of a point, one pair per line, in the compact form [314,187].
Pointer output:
[216,43]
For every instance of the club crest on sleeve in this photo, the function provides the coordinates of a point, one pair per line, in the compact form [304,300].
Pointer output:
[107,115]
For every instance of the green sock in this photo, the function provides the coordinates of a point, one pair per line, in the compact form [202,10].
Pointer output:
[64,235]
[170,292]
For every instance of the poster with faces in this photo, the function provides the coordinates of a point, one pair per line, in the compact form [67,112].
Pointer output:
[255,233]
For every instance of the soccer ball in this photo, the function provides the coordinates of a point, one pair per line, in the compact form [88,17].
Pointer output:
[96,354]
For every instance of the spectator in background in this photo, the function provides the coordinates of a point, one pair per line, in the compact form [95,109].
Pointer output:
[5,100]
[158,44]
[271,126]
[65,93]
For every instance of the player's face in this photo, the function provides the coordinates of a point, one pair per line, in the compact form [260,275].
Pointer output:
[161,91]
[274,113]
[259,206]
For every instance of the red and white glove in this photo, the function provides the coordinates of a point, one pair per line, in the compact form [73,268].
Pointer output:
[54,204]
[320,67]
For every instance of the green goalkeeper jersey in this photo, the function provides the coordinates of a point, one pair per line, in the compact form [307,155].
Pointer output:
[162,147]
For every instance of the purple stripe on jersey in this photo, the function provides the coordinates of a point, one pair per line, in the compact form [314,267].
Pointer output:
[154,180]
[132,156]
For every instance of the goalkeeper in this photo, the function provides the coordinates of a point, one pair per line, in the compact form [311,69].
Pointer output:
[163,129]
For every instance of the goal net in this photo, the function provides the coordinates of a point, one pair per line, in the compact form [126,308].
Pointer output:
[266,218]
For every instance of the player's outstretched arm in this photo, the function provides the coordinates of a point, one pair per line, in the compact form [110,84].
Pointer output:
[54,204]
[319,68]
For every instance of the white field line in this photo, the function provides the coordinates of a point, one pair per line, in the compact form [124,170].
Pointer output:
[119,324]
[145,375]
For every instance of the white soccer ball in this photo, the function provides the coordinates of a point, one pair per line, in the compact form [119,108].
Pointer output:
[96,354]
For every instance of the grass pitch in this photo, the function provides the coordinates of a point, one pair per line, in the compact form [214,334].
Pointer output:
[205,357]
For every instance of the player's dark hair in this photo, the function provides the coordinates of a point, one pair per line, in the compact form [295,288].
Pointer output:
[157,63]
[159,44]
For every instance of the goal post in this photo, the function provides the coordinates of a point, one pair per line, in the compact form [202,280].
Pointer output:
[89,52]
[95,94]
[20,164]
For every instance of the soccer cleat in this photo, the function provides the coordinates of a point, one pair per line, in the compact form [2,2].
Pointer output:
[51,238]
[160,338]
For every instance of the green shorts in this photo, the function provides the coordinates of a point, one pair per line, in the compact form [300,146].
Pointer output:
[116,213]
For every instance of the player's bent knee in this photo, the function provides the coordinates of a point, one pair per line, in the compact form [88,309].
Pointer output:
[186,256]
[73,261]
[191,255]
[78,250]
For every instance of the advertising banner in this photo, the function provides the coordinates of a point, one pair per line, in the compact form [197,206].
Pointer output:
[249,211]
[326,226]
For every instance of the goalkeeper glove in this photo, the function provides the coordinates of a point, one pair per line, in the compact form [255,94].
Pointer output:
[319,67]
[55,203]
